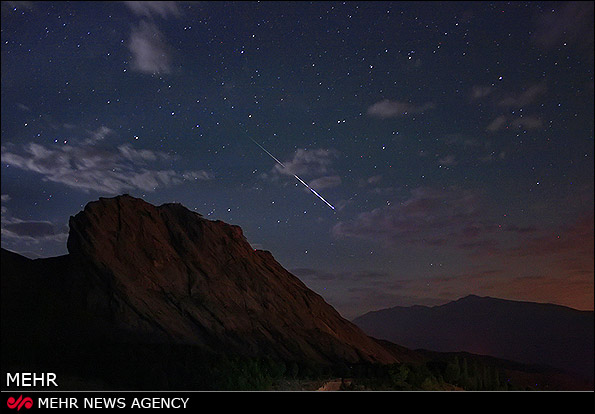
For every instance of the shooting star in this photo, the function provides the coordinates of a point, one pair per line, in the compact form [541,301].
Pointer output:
[296,177]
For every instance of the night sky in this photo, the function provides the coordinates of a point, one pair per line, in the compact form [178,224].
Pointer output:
[453,139]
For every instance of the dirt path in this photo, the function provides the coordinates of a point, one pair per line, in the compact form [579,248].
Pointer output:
[334,385]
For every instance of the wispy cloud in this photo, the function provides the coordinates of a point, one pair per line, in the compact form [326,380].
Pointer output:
[329,181]
[512,122]
[17,5]
[149,51]
[528,96]
[94,136]
[149,9]
[563,258]
[568,23]
[395,109]
[28,231]
[525,101]
[308,163]
[5,199]
[103,169]
[480,91]
[309,273]
[432,217]
[20,234]
[576,239]
[447,161]
[33,231]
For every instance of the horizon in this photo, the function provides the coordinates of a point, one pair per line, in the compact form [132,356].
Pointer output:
[465,296]
[387,153]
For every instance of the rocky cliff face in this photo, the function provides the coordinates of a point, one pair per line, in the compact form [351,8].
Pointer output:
[166,273]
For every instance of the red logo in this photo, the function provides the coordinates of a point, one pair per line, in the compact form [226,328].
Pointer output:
[26,402]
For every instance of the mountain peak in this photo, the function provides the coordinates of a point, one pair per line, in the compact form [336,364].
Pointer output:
[168,271]
[528,332]
[472,297]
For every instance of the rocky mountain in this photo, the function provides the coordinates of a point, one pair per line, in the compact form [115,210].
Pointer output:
[161,298]
[137,272]
[527,332]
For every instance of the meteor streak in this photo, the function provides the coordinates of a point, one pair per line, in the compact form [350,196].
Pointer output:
[296,177]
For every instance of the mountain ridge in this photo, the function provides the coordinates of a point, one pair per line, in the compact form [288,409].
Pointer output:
[473,297]
[523,331]
[167,273]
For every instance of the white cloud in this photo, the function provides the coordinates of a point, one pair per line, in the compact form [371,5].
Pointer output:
[94,136]
[197,175]
[150,8]
[5,198]
[140,155]
[149,50]
[314,162]
[326,182]
[91,168]
[394,109]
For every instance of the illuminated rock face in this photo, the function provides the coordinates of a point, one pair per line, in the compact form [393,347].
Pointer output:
[167,274]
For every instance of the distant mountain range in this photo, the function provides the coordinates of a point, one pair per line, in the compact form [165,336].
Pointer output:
[526,332]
